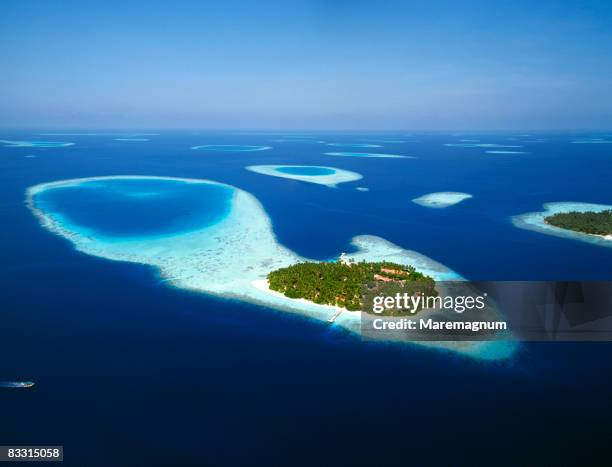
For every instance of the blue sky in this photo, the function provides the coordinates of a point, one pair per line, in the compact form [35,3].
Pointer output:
[306,64]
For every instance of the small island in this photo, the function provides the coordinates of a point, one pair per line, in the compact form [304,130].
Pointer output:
[348,284]
[590,222]
[586,222]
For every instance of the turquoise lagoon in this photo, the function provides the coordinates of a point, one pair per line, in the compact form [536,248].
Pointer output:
[306,170]
[132,208]
[224,245]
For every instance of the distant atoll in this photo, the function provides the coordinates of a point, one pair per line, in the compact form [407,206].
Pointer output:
[230,147]
[232,258]
[482,145]
[441,199]
[390,141]
[119,135]
[298,141]
[592,141]
[16,384]
[132,139]
[368,154]
[322,175]
[549,222]
[35,144]
[355,145]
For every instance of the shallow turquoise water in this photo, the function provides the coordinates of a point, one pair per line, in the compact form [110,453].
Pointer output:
[136,207]
[306,170]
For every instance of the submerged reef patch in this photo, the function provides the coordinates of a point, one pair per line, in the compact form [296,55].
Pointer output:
[232,257]
[535,221]
[441,199]
[329,176]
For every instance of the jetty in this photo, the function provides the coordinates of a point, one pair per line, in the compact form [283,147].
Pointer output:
[335,315]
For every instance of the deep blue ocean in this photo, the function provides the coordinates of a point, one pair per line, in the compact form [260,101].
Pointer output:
[130,371]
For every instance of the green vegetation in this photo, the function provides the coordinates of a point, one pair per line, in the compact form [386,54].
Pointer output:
[341,284]
[597,223]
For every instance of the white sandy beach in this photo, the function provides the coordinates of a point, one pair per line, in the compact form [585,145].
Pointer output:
[264,286]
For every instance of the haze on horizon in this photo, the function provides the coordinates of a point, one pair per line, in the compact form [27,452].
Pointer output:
[307,64]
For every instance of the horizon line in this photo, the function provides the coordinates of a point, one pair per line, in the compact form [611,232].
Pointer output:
[310,130]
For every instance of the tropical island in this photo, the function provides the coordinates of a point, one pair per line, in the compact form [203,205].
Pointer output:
[225,246]
[590,222]
[585,222]
[348,284]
